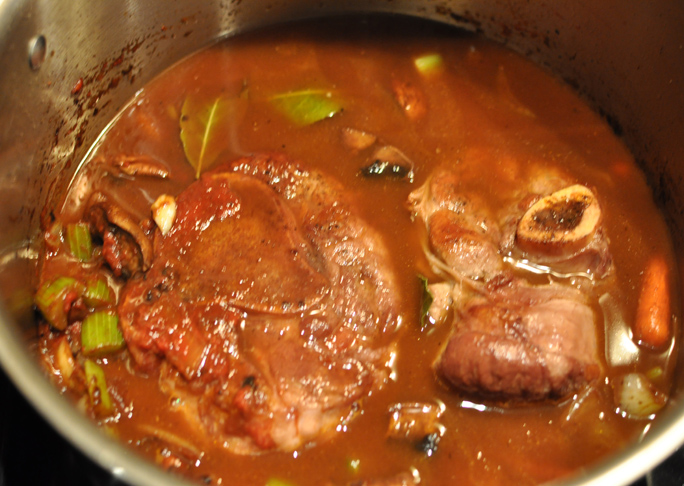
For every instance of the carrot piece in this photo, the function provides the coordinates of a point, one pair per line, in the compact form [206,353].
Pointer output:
[652,327]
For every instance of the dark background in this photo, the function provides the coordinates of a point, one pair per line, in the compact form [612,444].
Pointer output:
[32,454]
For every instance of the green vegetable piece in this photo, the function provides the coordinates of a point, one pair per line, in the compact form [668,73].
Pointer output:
[307,106]
[427,300]
[429,63]
[655,373]
[98,394]
[97,293]
[80,241]
[278,482]
[354,465]
[205,127]
[100,334]
[51,296]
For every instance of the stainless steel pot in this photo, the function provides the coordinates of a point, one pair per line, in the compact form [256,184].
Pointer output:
[625,56]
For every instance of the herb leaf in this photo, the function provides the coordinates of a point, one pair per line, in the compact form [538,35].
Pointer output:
[205,126]
[307,106]
[427,300]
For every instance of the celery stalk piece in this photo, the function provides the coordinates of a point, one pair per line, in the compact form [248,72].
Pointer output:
[100,334]
[354,465]
[278,482]
[51,296]
[97,293]
[97,388]
[655,373]
[429,63]
[80,241]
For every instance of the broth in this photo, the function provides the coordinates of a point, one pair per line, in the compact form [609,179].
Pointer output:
[492,116]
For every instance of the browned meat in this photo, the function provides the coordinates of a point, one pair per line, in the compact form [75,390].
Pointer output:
[121,253]
[522,342]
[461,232]
[269,307]
[467,235]
[511,340]
[126,247]
[410,98]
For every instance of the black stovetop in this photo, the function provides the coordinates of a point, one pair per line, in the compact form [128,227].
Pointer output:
[32,453]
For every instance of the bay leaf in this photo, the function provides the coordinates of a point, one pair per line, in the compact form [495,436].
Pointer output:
[206,125]
[307,106]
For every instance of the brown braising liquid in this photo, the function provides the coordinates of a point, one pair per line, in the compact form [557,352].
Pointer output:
[490,112]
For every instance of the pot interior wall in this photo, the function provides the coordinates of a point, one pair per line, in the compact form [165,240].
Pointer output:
[625,57]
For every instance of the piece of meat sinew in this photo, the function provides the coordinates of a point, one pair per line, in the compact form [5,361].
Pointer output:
[511,340]
[269,307]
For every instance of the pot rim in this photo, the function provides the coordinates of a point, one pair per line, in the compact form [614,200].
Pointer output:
[665,436]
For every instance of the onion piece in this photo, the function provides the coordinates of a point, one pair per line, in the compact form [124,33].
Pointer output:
[637,396]
[415,421]
[164,212]
[357,139]
[53,236]
[64,360]
[441,301]
[178,443]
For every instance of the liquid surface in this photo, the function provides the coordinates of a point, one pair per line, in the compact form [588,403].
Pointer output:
[499,121]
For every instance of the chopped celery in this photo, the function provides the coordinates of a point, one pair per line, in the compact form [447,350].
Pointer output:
[97,388]
[429,63]
[354,465]
[51,296]
[80,241]
[100,334]
[428,298]
[655,373]
[278,482]
[307,106]
[97,293]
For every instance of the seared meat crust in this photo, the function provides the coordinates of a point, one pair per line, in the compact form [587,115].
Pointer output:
[269,308]
[510,340]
